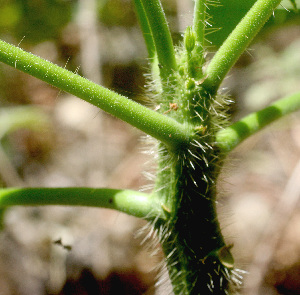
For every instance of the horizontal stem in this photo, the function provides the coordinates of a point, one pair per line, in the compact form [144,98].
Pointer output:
[237,42]
[128,201]
[228,138]
[161,127]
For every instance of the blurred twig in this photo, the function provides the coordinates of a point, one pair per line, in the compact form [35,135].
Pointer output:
[12,119]
[8,172]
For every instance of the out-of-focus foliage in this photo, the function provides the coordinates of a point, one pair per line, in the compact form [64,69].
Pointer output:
[10,15]
[40,20]
[227,14]
[117,13]
[273,75]
[37,20]
[295,4]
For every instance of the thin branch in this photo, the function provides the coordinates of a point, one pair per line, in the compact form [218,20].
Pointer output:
[237,42]
[12,119]
[148,37]
[146,30]
[161,127]
[8,172]
[128,201]
[161,36]
[228,138]
[199,27]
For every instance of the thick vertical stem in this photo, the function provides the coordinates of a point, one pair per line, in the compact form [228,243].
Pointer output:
[192,237]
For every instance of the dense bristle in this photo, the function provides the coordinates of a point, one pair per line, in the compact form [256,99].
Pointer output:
[196,256]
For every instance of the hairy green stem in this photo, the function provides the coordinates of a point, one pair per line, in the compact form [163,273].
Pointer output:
[199,20]
[237,42]
[157,125]
[128,201]
[228,138]
[199,28]
[147,33]
[190,154]
[145,27]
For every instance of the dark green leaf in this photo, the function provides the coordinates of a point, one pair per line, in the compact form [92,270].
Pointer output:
[226,16]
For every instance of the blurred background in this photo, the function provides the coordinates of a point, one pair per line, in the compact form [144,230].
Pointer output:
[51,139]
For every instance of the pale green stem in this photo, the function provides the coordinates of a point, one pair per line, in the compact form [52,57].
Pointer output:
[162,38]
[147,33]
[228,138]
[146,30]
[237,42]
[199,28]
[131,202]
[157,125]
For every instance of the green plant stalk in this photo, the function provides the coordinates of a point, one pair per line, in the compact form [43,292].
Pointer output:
[199,21]
[191,237]
[146,30]
[228,138]
[199,28]
[237,42]
[193,57]
[147,33]
[128,201]
[157,125]
[162,38]
[198,260]
[163,65]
